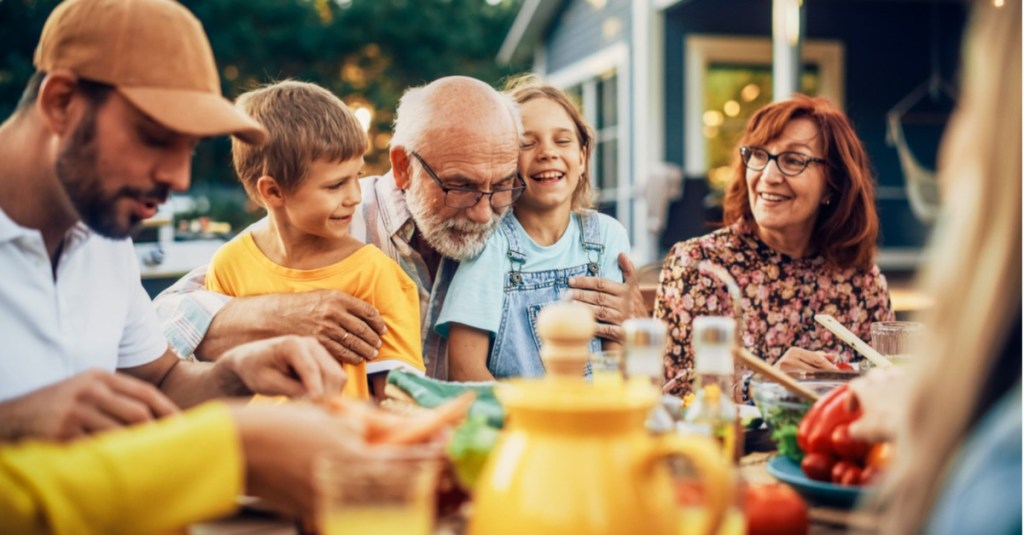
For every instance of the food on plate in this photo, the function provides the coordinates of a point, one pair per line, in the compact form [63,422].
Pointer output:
[783,411]
[469,448]
[775,509]
[381,426]
[831,454]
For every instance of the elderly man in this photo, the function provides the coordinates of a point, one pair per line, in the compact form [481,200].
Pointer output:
[99,139]
[468,134]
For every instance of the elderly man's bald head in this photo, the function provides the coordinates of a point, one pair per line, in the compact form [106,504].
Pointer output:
[451,106]
[469,134]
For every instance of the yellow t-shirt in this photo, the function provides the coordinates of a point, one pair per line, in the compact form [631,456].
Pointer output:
[143,479]
[240,269]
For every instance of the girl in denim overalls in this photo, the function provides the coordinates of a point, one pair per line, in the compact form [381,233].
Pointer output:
[490,311]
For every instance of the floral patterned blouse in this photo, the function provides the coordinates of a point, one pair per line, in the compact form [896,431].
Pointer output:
[781,295]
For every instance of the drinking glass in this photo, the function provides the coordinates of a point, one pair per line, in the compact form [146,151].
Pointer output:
[896,340]
[378,491]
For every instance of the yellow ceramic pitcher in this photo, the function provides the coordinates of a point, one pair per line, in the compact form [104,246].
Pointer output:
[575,459]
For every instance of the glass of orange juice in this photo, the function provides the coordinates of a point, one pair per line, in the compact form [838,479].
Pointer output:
[379,491]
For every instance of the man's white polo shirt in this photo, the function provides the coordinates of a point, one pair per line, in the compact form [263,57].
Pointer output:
[94,315]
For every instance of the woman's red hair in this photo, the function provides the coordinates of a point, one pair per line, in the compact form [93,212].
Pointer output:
[847,227]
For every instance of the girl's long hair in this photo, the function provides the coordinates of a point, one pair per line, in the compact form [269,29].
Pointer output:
[973,268]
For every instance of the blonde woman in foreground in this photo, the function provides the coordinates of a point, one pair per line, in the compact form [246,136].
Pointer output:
[957,422]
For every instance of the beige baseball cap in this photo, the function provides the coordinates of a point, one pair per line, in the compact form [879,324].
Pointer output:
[155,53]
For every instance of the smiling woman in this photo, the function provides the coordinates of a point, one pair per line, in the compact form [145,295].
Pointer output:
[799,239]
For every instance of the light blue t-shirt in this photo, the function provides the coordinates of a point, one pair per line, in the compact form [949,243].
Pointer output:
[476,294]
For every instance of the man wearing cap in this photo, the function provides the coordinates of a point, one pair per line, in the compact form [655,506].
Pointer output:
[104,132]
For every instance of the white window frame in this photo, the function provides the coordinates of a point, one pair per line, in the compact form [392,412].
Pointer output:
[585,72]
[704,50]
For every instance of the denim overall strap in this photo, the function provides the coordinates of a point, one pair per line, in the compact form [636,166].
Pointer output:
[590,234]
[515,253]
[516,349]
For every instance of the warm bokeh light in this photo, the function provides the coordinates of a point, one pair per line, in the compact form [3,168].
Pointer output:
[720,177]
[710,132]
[364,115]
[750,92]
[731,108]
[713,118]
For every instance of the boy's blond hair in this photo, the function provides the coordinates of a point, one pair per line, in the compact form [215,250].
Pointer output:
[306,122]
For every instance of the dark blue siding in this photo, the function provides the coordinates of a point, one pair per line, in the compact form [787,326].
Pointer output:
[577,33]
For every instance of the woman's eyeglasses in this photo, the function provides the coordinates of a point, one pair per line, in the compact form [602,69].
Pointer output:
[788,163]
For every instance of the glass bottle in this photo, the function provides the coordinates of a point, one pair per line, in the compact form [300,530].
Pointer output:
[643,355]
[713,411]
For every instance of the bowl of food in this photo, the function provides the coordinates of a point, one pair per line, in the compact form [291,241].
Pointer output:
[782,410]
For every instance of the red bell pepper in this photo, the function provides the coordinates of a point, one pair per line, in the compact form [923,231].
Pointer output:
[823,434]
[835,411]
[804,429]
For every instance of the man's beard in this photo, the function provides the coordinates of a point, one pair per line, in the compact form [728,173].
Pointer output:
[456,237]
[77,171]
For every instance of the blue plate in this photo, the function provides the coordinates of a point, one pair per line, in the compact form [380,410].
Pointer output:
[819,492]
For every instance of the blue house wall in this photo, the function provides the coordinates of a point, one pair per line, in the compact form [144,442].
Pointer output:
[577,33]
[888,48]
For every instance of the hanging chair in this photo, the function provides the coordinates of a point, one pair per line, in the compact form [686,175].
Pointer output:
[921,183]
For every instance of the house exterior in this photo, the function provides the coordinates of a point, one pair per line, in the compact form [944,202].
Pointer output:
[669,83]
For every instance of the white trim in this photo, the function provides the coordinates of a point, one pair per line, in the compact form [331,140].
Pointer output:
[702,50]
[519,27]
[615,56]
[662,5]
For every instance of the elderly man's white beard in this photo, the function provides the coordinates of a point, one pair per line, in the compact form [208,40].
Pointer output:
[457,237]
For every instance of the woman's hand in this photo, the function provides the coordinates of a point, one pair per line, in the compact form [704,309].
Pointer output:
[882,396]
[798,359]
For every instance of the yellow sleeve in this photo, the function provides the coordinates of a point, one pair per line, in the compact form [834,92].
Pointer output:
[399,306]
[145,479]
[214,271]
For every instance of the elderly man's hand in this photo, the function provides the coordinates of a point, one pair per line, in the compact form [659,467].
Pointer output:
[87,403]
[347,327]
[612,302]
[293,366]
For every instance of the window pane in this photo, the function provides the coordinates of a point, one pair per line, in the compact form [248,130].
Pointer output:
[607,158]
[607,101]
[731,95]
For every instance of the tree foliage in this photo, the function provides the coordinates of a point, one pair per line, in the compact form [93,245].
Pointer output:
[365,51]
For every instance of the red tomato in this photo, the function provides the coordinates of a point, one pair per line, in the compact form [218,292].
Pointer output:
[818,466]
[775,509]
[846,446]
[845,367]
[846,473]
[880,455]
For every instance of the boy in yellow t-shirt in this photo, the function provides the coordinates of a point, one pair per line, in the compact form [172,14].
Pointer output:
[307,177]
